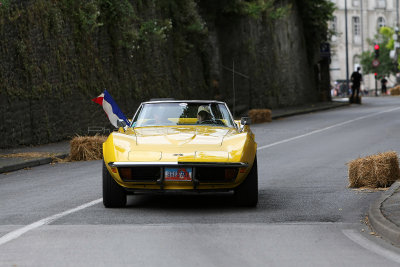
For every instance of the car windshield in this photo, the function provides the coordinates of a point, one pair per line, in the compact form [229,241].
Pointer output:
[182,113]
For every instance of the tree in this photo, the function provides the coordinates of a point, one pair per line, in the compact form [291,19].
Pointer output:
[386,43]
[315,16]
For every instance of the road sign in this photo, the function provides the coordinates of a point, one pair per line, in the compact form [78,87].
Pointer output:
[375,63]
[325,50]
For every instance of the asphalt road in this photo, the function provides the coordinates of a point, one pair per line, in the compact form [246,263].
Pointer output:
[306,214]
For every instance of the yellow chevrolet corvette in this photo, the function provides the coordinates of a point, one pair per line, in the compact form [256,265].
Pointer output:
[190,146]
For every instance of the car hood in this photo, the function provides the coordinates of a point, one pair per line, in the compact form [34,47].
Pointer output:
[197,143]
[180,136]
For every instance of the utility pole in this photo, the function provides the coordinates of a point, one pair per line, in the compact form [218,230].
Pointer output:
[362,26]
[397,13]
[347,46]
[396,31]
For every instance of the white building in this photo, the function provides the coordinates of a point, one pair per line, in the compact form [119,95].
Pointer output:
[364,18]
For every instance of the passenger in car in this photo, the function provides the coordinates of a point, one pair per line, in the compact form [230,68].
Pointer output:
[203,114]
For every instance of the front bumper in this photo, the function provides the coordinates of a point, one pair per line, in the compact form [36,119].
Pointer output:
[156,182]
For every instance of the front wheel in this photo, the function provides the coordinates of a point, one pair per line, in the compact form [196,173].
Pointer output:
[114,195]
[246,194]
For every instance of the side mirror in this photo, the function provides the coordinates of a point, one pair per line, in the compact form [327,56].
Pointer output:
[245,121]
[121,123]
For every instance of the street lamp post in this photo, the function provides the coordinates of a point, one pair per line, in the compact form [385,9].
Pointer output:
[347,46]
[362,26]
[397,13]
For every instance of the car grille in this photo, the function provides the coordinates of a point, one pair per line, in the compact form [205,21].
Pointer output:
[216,174]
[202,174]
[136,174]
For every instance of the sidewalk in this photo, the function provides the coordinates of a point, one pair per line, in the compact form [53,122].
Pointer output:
[291,111]
[44,155]
[384,215]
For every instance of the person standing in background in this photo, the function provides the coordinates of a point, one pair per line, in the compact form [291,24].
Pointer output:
[356,79]
[383,83]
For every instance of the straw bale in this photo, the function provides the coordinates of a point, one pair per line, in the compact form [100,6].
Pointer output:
[395,90]
[87,148]
[380,170]
[260,115]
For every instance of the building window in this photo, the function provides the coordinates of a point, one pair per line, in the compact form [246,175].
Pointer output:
[381,22]
[333,29]
[356,62]
[356,3]
[380,3]
[334,24]
[335,64]
[356,30]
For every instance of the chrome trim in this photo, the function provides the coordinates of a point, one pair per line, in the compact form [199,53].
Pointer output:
[194,164]
[139,191]
[232,118]
[183,101]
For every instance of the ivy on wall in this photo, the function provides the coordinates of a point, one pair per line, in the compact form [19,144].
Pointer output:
[257,8]
[315,16]
[56,48]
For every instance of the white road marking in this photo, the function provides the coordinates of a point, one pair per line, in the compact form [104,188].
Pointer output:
[17,233]
[369,245]
[326,128]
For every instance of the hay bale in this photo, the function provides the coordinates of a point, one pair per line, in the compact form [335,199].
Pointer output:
[87,147]
[260,115]
[395,90]
[380,170]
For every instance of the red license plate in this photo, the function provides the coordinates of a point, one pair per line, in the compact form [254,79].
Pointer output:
[178,174]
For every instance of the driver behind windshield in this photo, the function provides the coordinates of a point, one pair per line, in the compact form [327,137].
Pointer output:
[203,114]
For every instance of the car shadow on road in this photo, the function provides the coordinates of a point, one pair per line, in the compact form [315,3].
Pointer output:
[204,201]
[182,201]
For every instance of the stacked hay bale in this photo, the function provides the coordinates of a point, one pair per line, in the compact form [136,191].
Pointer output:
[87,147]
[395,90]
[260,115]
[380,170]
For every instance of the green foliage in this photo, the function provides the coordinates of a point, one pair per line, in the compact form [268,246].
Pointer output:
[84,14]
[315,16]
[88,16]
[388,33]
[120,19]
[256,8]
[188,28]
[154,30]
[64,45]
[5,4]
[387,66]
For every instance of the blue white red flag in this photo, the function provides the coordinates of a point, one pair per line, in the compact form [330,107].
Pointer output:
[111,108]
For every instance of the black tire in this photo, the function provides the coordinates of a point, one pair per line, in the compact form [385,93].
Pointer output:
[246,194]
[114,195]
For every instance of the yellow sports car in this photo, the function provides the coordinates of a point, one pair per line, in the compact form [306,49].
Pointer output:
[190,146]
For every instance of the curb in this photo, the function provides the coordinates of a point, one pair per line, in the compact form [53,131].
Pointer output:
[31,163]
[384,227]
